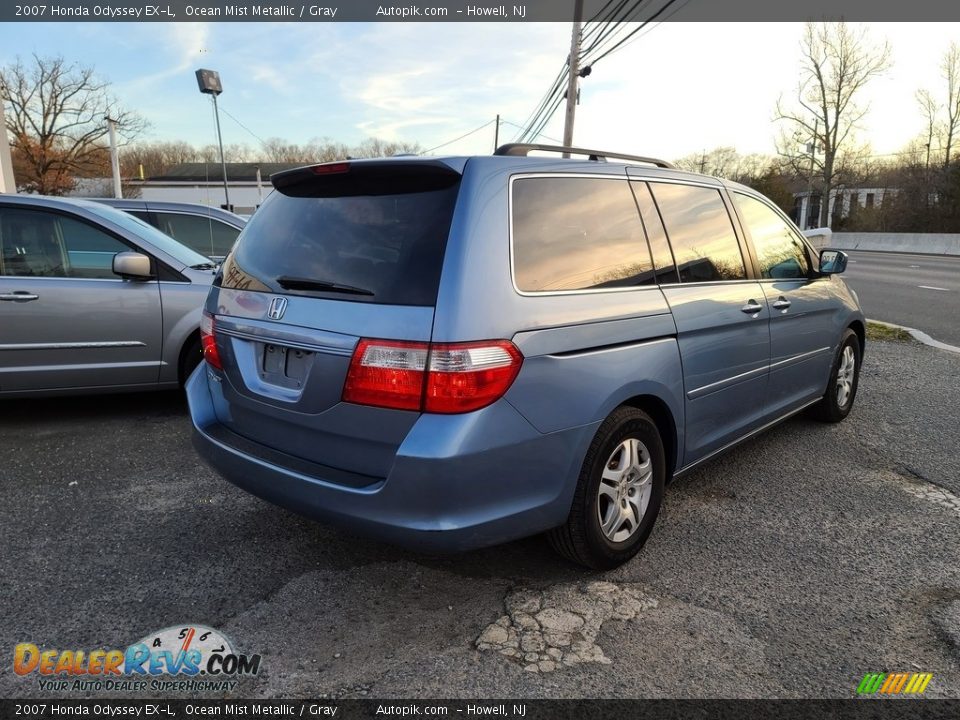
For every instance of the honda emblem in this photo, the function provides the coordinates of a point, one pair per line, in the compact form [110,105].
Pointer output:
[277,307]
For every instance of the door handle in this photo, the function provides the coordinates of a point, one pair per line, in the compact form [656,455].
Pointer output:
[19,296]
[752,307]
[781,303]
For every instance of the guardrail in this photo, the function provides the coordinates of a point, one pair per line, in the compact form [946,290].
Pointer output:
[924,243]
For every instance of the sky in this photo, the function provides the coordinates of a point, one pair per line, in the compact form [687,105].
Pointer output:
[678,88]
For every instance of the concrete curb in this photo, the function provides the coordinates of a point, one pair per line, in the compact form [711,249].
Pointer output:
[919,336]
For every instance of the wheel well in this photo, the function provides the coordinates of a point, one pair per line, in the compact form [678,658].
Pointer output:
[858,328]
[663,418]
[192,339]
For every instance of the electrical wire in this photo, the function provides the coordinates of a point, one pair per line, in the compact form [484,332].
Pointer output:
[520,127]
[642,25]
[461,137]
[257,137]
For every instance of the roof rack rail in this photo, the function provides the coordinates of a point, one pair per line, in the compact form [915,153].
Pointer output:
[524,149]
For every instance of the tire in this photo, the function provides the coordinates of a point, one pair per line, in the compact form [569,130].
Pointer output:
[189,359]
[838,400]
[630,487]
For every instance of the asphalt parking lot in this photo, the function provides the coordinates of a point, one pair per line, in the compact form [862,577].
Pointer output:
[788,568]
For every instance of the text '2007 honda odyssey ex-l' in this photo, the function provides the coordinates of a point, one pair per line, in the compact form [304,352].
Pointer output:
[455,352]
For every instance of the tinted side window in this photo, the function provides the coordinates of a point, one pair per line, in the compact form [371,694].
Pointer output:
[659,247]
[203,234]
[780,252]
[41,244]
[576,234]
[702,237]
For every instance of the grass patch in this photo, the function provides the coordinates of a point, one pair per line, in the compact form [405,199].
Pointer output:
[876,331]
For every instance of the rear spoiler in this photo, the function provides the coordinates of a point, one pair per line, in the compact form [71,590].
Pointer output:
[365,177]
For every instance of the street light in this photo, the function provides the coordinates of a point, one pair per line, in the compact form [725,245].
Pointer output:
[209,83]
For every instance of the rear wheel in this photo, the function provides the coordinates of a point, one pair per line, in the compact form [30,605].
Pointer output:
[618,494]
[837,401]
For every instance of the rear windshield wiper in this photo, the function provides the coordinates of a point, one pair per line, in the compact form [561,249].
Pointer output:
[295,283]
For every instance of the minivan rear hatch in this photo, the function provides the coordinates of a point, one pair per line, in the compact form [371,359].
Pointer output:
[338,252]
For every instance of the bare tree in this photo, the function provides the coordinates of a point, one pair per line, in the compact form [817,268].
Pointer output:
[838,61]
[56,119]
[943,119]
[930,110]
[950,68]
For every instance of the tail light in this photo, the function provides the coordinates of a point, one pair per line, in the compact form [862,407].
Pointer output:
[386,374]
[208,341]
[431,377]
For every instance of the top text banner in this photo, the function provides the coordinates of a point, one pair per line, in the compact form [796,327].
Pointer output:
[457,11]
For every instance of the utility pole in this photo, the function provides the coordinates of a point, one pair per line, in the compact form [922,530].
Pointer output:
[813,155]
[114,157]
[574,73]
[7,184]
[496,134]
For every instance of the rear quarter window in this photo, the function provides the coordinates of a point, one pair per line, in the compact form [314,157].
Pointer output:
[575,233]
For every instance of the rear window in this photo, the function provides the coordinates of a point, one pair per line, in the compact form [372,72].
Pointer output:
[384,246]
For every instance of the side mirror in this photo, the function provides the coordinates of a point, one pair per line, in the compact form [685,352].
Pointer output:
[832,262]
[132,265]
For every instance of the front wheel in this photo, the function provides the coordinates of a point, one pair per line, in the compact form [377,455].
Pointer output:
[618,493]
[837,401]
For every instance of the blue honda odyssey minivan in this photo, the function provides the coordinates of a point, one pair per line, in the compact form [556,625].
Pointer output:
[449,353]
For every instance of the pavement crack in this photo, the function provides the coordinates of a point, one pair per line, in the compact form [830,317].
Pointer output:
[548,629]
[922,487]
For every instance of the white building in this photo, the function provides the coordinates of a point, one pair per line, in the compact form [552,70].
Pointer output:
[844,202]
[248,184]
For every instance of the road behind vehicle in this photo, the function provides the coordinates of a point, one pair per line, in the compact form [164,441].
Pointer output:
[207,230]
[455,352]
[93,299]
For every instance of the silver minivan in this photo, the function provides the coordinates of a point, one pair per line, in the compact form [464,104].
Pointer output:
[455,352]
[94,300]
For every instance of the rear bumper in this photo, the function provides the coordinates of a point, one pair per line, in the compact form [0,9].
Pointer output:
[458,481]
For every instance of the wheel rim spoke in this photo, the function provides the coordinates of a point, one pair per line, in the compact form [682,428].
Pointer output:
[845,376]
[626,484]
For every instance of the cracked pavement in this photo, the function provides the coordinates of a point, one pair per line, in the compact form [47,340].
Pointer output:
[788,568]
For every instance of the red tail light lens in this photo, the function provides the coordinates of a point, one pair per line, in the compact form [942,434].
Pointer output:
[331,168]
[385,373]
[435,378]
[208,341]
[468,376]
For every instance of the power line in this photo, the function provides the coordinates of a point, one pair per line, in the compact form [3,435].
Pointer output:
[520,127]
[461,137]
[259,139]
[642,25]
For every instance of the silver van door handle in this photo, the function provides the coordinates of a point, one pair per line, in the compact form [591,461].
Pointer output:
[19,296]
[781,303]
[752,307]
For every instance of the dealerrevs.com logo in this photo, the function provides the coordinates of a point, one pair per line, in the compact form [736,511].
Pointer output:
[179,658]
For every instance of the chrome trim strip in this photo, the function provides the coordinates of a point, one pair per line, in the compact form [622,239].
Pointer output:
[720,384]
[749,435]
[72,345]
[797,358]
[612,346]
[286,342]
